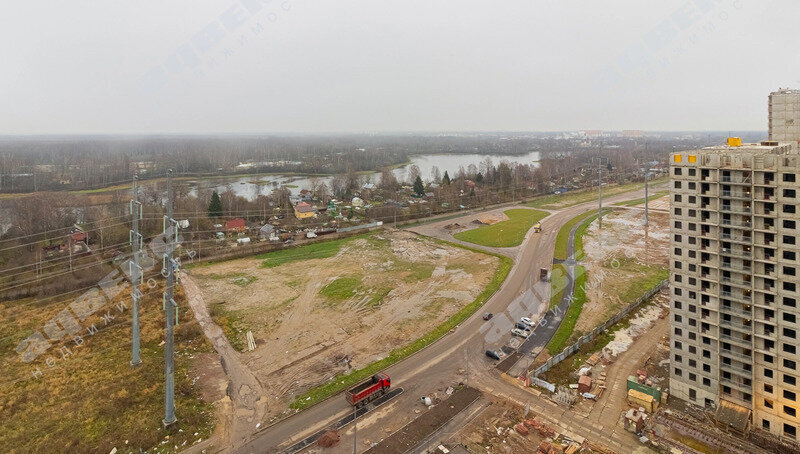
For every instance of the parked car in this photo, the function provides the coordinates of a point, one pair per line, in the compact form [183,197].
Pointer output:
[522,326]
[519,332]
[488,316]
[527,321]
[493,354]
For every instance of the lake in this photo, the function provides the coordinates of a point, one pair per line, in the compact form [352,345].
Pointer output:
[253,186]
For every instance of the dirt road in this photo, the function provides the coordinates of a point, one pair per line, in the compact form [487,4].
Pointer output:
[244,390]
[610,405]
[459,356]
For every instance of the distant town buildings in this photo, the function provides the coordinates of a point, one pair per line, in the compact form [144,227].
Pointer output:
[735,262]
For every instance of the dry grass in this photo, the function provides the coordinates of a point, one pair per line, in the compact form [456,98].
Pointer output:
[92,400]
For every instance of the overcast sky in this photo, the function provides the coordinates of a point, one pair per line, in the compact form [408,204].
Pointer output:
[253,66]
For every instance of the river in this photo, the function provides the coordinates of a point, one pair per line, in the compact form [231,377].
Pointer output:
[251,187]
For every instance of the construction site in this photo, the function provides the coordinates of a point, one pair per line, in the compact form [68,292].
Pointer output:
[318,315]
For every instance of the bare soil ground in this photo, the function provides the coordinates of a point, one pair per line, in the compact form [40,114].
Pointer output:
[618,257]
[493,431]
[314,318]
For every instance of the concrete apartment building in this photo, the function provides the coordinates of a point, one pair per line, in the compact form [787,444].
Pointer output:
[784,115]
[735,275]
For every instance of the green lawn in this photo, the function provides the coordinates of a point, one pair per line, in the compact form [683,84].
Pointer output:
[650,277]
[319,250]
[562,239]
[341,288]
[558,279]
[343,381]
[567,326]
[505,233]
[579,233]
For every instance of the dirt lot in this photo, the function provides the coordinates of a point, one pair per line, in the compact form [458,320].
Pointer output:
[623,260]
[493,431]
[316,317]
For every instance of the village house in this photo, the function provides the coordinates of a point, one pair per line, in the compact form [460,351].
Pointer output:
[303,211]
[235,226]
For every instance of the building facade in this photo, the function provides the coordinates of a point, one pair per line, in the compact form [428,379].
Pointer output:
[784,115]
[735,262]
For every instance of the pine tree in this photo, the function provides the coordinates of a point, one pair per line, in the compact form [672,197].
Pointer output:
[215,206]
[419,187]
[446,178]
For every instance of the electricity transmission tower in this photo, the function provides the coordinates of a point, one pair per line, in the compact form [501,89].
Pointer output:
[135,271]
[170,307]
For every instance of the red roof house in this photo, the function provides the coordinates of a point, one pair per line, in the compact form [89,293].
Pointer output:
[235,225]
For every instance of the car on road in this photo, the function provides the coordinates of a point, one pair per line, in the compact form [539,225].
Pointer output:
[519,332]
[488,316]
[527,321]
[493,354]
[522,326]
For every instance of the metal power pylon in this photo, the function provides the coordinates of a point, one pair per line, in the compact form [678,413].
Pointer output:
[170,307]
[135,272]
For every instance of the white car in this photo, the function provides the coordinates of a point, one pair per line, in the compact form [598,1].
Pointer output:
[527,321]
[519,332]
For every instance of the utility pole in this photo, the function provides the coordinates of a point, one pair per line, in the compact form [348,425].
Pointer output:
[355,430]
[170,307]
[646,212]
[600,162]
[600,195]
[135,271]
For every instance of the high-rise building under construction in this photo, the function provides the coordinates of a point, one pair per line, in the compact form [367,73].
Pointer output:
[735,276]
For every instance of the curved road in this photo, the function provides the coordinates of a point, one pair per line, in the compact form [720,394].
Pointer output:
[458,356]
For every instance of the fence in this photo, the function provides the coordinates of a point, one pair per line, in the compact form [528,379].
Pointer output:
[360,227]
[586,338]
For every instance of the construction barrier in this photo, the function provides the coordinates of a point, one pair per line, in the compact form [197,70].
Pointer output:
[586,338]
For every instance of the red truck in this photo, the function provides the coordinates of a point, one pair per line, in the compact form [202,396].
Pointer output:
[362,393]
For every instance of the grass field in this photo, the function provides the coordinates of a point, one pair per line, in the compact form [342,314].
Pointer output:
[572,198]
[507,233]
[562,239]
[91,399]
[343,381]
[341,288]
[319,250]
[567,326]
[650,276]
[639,201]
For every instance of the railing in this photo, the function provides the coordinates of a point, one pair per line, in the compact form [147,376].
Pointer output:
[738,210]
[746,224]
[730,338]
[729,266]
[737,312]
[735,296]
[737,356]
[740,282]
[735,194]
[729,251]
[735,383]
[736,369]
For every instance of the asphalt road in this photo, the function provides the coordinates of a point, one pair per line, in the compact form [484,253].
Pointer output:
[448,358]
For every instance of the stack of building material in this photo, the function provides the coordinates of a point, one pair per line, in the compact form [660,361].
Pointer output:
[584,384]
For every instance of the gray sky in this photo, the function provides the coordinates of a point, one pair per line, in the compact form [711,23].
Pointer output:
[200,66]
